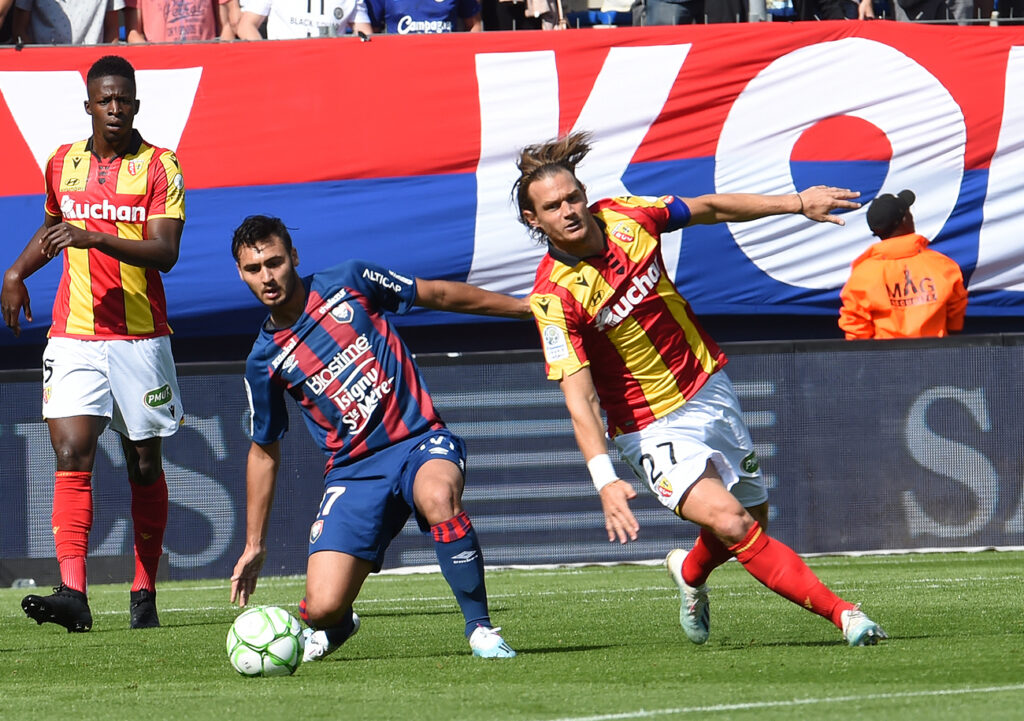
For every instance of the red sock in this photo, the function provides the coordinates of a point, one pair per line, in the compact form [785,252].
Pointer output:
[149,517]
[708,553]
[777,566]
[72,521]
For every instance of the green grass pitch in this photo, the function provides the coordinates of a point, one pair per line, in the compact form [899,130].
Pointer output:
[597,643]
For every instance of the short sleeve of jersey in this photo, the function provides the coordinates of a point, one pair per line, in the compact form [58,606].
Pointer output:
[563,349]
[168,188]
[268,416]
[386,289]
[52,206]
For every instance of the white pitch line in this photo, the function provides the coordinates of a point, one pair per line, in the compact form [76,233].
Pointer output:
[641,713]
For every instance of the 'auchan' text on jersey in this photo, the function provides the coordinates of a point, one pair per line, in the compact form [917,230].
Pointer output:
[101,211]
[641,286]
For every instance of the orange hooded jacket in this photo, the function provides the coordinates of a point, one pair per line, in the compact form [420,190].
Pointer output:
[899,288]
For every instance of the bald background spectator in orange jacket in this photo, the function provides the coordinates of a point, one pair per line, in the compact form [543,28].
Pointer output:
[899,288]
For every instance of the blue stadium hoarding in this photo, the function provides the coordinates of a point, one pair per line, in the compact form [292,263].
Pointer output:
[865,446]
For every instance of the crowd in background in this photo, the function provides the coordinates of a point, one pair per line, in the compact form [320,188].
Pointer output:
[87,22]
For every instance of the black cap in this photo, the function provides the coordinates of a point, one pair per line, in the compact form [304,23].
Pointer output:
[886,212]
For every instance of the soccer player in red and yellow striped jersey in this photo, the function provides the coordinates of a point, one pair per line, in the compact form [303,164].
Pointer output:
[115,210]
[619,337]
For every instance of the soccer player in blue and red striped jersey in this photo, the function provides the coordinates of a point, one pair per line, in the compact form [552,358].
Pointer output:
[327,344]
[619,337]
[115,210]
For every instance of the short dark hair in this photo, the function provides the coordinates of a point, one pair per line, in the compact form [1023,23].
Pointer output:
[257,228]
[110,65]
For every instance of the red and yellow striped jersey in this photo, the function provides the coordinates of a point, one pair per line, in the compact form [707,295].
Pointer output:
[100,297]
[620,314]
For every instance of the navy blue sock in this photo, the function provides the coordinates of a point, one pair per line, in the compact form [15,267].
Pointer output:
[340,633]
[462,565]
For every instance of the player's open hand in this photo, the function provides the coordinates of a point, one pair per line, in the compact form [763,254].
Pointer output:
[14,299]
[63,235]
[619,521]
[819,201]
[247,570]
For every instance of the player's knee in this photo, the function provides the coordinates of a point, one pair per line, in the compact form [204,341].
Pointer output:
[322,612]
[732,527]
[73,456]
[145,472]
[438,502]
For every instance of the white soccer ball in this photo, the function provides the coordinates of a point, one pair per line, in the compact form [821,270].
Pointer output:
[265,641]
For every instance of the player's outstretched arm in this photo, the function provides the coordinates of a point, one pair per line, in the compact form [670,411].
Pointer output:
[465,298]
[588,426]
[816,203]
[260,482]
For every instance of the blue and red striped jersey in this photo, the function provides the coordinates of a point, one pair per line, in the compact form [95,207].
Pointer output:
[344,364]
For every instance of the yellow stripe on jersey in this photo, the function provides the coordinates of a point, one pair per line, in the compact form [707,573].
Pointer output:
[585,283]
[80,317]
[628,234]
[646,366]
[75,172]
[559,353]
[174,206]
[676,305]
[138,313]
[132,178]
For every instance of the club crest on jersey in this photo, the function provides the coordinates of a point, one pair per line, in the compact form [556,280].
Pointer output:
[315,530]
[624,232]
[135,166]
[342,313]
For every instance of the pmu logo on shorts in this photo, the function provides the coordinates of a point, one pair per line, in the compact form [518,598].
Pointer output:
[161,396]
[315,530]
[750,464]
[101,211]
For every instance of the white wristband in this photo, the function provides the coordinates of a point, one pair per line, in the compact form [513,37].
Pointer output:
[601,471]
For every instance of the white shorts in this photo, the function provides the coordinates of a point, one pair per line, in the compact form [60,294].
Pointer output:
[672,453]
[130,382]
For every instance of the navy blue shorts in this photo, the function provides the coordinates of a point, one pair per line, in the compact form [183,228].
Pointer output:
[367,503]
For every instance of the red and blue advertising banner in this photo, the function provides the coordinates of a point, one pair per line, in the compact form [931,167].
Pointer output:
[401,150]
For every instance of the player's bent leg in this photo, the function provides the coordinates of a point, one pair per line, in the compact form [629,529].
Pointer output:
[437,492]
[333,581]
